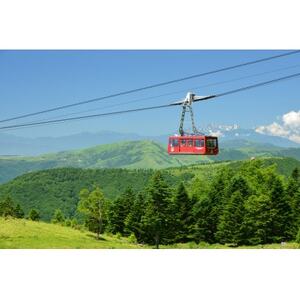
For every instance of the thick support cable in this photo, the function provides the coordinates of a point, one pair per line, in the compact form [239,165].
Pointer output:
[150,86]
[153,107]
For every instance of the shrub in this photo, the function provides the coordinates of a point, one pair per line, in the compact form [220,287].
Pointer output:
[68,222]
[132,239]
[34,215]
[298,236]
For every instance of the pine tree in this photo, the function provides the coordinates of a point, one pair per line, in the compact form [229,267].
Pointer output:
[296,174]
[18,212]
[133,221]
[282,223]
[119,210]
[293,184]
[238,183]
[208,211]
[258,217]
[230,228]
[296,210]
[293,198]
[203,229]
[182,206]
[93,206]
[157,218]
[7,207]
[34,215]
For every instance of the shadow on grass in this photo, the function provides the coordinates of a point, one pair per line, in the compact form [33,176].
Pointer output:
[95,237]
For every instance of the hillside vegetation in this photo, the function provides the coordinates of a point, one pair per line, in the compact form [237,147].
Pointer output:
[130,155]
[59,188]
[25,234]
[135,155]
[52,189]
[242,203]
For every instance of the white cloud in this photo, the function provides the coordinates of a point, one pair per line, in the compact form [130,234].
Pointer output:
[295,138]
[217,133]
[292,119]
[273,129]
[289,127]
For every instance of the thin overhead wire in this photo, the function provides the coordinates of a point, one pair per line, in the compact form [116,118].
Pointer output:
[151,86]
[195,88]
[258,85]
[154,107]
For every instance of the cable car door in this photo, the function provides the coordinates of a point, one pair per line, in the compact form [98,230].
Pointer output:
[174,145]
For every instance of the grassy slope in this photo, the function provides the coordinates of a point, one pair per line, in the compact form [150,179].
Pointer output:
[284,166]
[24,234]
[130,155]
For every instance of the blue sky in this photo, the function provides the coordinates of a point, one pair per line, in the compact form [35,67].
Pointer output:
[37,80]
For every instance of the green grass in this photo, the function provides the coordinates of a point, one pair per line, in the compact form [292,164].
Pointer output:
[24,234]
[193,245]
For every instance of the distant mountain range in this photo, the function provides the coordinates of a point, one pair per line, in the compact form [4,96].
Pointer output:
[136,155]
[14,145]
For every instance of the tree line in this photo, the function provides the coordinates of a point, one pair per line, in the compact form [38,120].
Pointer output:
[9,209]
[246,206]
[249,206]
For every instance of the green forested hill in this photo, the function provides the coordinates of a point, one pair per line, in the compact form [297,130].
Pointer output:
[134,155]
[131,155]
[59,188]
[48,190]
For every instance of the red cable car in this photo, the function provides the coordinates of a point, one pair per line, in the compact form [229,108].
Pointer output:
[192,143]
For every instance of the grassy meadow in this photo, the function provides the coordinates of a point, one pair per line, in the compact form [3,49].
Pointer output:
[25,234]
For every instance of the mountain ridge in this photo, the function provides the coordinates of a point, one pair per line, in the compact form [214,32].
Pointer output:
[15,145]
[134,155]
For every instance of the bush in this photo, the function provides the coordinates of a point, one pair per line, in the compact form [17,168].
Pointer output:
[203,245]
[68,222]
[34,215]
[298,237]
[192,245]
[58,217]
[132,239]
[74,223]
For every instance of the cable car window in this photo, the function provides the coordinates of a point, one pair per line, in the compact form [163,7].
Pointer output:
[190,143]
[183,142]
[174,142]
[199,143]
[211,143]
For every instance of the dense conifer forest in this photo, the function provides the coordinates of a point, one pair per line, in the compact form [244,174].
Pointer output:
[249,203]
